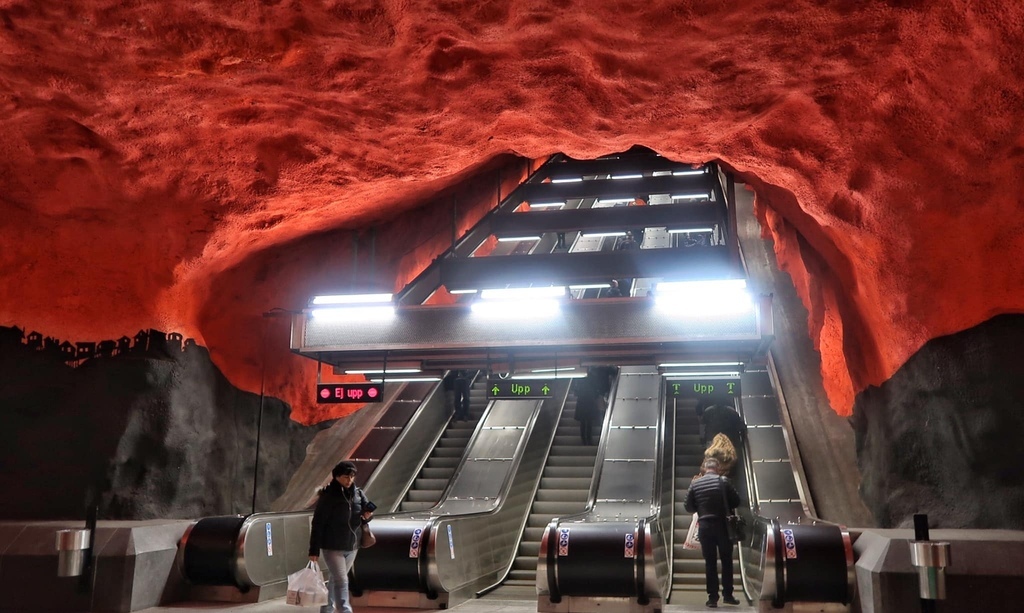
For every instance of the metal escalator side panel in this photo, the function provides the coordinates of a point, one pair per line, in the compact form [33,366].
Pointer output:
[472,548]
[399,467]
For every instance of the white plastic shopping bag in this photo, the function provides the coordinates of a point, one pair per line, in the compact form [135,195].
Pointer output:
[691,541]
[306,587]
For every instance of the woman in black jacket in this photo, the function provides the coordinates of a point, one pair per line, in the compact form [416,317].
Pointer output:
[337,527]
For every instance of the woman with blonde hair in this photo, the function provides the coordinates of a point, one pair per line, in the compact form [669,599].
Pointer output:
[722,450]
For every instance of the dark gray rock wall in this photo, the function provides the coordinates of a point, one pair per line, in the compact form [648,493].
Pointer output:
[945,435]
[155,436]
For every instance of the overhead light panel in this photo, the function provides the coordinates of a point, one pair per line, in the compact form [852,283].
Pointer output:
[573,180]
[378,371]
[404,379]
[688,173]
[523,293]
[351,299]
[517,239]
[700,375]
[546,205]
[691,196]
[615,200]
[698,364]
[602,234]
[462,291]
[690,230]
[591,286]
[627,176]
[343,308]
[720,298]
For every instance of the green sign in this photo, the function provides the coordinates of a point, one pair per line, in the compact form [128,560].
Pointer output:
[517,389]
[708,389]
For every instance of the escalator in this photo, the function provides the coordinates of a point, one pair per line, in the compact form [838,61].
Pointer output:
[437,471]
[563,490]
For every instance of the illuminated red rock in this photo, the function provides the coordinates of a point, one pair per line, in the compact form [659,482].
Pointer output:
[189,166]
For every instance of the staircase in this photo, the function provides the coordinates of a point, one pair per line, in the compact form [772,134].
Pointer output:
[440,467]
[688,564]
[564,487]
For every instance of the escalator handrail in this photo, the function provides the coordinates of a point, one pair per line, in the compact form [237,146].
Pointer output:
[508,569]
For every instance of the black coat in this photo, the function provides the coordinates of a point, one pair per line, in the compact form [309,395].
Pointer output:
[720,419]
[337,519]
[705,497]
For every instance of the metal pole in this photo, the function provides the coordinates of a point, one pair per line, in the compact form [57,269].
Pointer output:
[259,419]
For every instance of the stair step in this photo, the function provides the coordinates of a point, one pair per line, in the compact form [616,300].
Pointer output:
[407,505]
[578,497]
[423,495]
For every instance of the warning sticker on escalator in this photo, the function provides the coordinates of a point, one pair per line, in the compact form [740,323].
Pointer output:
[630,551]
[563,542]
[790,544]
[414,544]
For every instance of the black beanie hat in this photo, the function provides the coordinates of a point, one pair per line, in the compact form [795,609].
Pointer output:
[343,468]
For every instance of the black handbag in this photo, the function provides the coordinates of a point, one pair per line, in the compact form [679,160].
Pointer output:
[735,525]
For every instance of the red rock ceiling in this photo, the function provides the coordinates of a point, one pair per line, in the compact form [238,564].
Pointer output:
[189,165]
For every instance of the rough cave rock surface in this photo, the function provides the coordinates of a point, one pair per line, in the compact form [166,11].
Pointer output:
[151,150]
[151,436]
[942,436]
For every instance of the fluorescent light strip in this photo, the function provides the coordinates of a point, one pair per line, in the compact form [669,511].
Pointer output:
[546,205]
[700,286]
[579,180]
[591,286]
[615,200]
[517,239]
[462,291]
[701,375]
[566,369]
[377,371]
[351,299]
[627,176]
[698,364]
[687,173]
[354,313]
[574,375]
[602,234]
[690,230]
[405,379]
[690,196]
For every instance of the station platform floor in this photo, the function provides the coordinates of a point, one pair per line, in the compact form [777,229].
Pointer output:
[687,603]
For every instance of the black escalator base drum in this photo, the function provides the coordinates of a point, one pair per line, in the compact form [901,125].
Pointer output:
[596,564]
[816,563]
[210,550]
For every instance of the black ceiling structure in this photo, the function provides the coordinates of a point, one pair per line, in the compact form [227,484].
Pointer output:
[628,330]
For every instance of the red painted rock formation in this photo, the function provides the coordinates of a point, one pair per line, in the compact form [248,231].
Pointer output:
[190,165]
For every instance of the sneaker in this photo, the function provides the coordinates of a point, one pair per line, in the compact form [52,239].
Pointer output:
[711,604]
[729,600]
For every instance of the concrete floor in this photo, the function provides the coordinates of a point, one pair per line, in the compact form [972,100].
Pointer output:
[482,605]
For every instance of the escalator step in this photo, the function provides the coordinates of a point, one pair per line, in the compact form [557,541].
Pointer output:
[575,460]
[569,472]
[453,441]
[529,551]
[522,577]
[448,463]
[561,483]
[448,452]
[414,506]
[430,484]
[436,473]
[552,508]
[535,534]
[423,495]
[526,563]
[580,450]
[577,497]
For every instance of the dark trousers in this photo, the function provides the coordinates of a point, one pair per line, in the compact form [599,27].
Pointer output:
[587,430]
[461,399]
[714,544]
